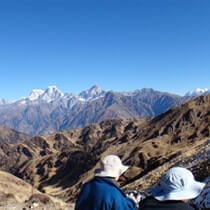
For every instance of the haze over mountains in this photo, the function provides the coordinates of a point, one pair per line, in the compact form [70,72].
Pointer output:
[46,111]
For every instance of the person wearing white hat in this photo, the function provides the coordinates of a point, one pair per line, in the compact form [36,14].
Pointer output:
[101,193]
[173,190]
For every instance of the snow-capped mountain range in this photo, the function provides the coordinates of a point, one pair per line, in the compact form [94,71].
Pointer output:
[52,93]
[45,111]
[37,95]
[198,92]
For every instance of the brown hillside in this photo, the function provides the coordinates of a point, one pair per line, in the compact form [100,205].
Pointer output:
[15,187]
[19,195]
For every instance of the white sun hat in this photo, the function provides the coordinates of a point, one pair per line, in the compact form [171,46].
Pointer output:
[111,166]
[177,184]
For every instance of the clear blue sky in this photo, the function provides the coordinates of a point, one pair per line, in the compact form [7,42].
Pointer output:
[117,44]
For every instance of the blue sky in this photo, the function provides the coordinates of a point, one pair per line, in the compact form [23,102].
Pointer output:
[118,44]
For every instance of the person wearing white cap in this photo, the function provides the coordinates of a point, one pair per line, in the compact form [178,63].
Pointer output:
[173,190]
[101,193]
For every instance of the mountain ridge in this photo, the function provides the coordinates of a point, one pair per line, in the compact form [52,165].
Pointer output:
[90,93]
[46,111]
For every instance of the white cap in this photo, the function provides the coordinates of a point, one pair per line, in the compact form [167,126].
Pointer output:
[111,166]
[177,184]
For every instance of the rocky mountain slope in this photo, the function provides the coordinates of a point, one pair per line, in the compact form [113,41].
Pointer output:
[51,110]
[58,164]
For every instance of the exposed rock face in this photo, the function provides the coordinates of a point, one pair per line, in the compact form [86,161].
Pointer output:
[58,164]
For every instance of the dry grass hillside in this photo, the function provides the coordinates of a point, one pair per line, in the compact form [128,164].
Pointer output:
[18,195]
[58,164]
[11,185]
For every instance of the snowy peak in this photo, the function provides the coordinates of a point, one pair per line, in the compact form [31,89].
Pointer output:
[198,92]
[51,93]
[35,94]
[92,93]
[38,95]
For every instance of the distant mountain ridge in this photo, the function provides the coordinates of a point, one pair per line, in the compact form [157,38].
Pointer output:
[11,136]
[46,111]
[52,93]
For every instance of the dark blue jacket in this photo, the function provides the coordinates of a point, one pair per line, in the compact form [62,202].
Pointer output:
[102,194]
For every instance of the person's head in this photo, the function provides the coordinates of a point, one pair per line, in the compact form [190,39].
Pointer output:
[111,166]
[177,184]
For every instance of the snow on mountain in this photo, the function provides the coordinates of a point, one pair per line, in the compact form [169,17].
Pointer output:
[38,95]
[136,92]
[130,93]
[35,94]
[51,93]
[92,93]
[69,100]
[198,92]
